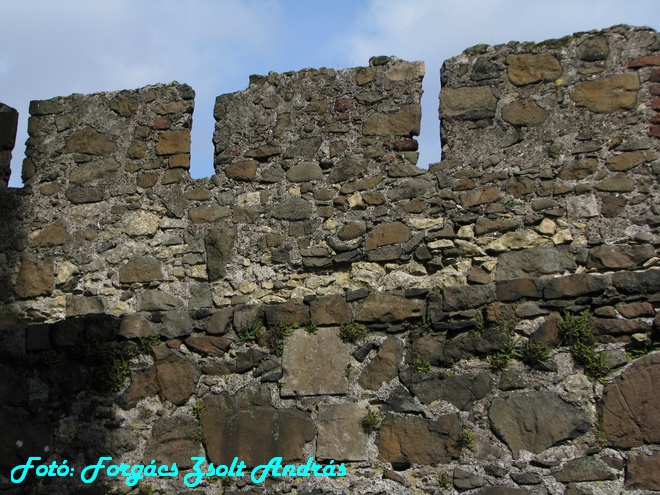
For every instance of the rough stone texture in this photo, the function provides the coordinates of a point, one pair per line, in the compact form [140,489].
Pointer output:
[410,439]
[608,95]
[630,407]
[643,472]
[35,277]
[385,366]
[340,435]
[535,421]
[584,469]
[177,376]
[141,269]
[309,369]
[528,69]
[247,426]
[172,440]
[386,308]
[533,263]
[219,244]
[331,310]
[472,103]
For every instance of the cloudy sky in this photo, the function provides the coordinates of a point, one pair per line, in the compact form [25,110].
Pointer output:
[54,48]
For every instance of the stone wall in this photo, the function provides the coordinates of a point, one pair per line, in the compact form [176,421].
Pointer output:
[485,326]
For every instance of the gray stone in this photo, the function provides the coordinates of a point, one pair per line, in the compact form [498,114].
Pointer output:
[141,269]
[304,172]
[219,323]
[219,244]
[340,433]
[643,472]
[308,367]
[469,103]
[177,375]
[535,421]
[384,366]
[293,208]
[584,469]
[157,300]
[36,277]
[84,194]
[176,324]
[534,262]
[465,480]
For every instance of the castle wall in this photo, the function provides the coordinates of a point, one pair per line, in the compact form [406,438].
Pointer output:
[489,322]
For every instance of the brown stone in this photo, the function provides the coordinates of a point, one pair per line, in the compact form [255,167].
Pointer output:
[83,194]
[643,472]
[481,196]
[467,297]
[89,141]
[574,286]
[635,309]
[487,226]
[579,169]
[144,383]
[513,290]
[630,408]
[593,49]
[245,170]
[352,231]
[35,277]
[405,122]
[616,183]
[625,161]
[529,69]
[519,186]
[524,112]
[173,142]
[331,310]
[384,367]
[208,345]
[137,325]
[53,235]
[209,213]
[340,435]
[182,160]
[291,312]
[548,332]
[386,308]
[262,153]
[405,440]
[83,305]
[648,60]
[612,256]
[248,427]
[172,440]
[103,168]
[145,181]
[141,269]
[177,375]
[387,233]
[469,103]
[309,368]
[608,95]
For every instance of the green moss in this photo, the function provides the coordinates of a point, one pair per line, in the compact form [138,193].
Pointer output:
[467,438]
[420,364]
[372,421]
[353,332]
[577,334]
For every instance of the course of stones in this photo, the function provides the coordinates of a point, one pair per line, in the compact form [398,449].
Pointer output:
[488,325]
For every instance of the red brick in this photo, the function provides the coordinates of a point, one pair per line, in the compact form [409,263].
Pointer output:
[636,63]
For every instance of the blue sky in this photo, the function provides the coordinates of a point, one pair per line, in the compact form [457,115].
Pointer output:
[54,48]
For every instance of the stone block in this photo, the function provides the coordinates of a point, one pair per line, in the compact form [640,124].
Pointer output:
[529,69]
[340,433]
[314,364]
[611,94]
[470,103]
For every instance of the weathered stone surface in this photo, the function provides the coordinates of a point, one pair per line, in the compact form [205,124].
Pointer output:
[584,469]
[488,226]
[291,312]
[176,324]
[625,161]
[173,142]
[646,282]
[481,196]
[137,325]
[144,383]
[84,194]
[519,187]
[616,183]
[331,310]
[308,367]
[89,141]
[172,440]
[177,376]
[643,472]
[208,345]
[466,480]
[528,69]
[593,49]
[404,122]
[54,235]
[95,170]
[83,305]
[405,71]
[534,262]
[585,206]
[246,426]
[524,112]
[611,94]
[293,209]
[535,421]
[304,172]
[460,390]
[466,297]
[579,169]
[219,322]
[387,233]
[384,366]
[352,231]
[340,434]
[140,269]
[219,244]
[515,289]
[404,440]
[23,435]
[612,256]
[471,103]
[142,223]
[245,170]
[574,286]
[630,408]
[35,277]
[157,300]
[387,308]
[208,213]
[502,490]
